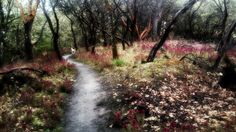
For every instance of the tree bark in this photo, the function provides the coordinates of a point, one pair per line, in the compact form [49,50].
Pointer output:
[85,36]
[114,46]
[56,45]
[103,26]
[85,39]
[2,34]
[2,52]
[28,23]
[28,42]
[73,35]
[5,13]
[93,51]
[134,22]
[115,54]
[157,20]
[223,24]
[93,41]
[73,32]
[125,33]
[104,39]
[158,45]
[55,32]
[224,42]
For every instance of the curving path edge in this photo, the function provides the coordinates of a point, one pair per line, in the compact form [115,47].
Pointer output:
[82,114]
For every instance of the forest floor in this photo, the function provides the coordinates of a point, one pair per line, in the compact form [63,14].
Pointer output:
[167,94]
[35,102]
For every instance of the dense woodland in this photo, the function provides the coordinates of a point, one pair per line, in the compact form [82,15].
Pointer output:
[138,43]
[29,28]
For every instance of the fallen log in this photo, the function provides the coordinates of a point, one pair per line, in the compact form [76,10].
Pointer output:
[196,60]
[41,72]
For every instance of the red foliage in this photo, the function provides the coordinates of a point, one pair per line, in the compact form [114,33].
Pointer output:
[67,86]
[26,97]
[49,68]
[102,59]
[132,117]
[182,47]
[68,83]
[47,84]
[145,45]
[49,104]
[64,63]
[118,116]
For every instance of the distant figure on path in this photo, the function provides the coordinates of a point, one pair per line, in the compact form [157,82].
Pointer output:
[72,51]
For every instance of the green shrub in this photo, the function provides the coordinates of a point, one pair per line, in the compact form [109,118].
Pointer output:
[118,63]
[44,45]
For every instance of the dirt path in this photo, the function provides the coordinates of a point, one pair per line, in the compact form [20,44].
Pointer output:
[83,114]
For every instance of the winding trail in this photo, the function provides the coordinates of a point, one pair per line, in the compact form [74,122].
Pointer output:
[83,114]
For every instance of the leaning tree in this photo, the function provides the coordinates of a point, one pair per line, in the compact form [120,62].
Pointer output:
[158,45]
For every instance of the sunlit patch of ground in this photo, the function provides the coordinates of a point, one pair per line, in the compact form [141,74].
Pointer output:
[37,104]
[168,94]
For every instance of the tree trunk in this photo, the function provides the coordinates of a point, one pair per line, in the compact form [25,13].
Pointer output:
[114,46]
[72,32]
[104,38]
[73,35]
[28,23]
[223,24]
[85,38]
[103,26]
[159,26]
[55,32]
[154,28]
[93,42]
[2,51]
[190,24]
[1,34]
[28,44]
[133,27]
[114,50]
[56,45]
[18,36]
[133,31]
[224,42]
[158,45]
[157,20]
[93,51]
[86,42]
[2,47]
[125,33]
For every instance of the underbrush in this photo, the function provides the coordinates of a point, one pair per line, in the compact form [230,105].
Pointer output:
[35,102]
[100,60]
[171,96]
[168,94]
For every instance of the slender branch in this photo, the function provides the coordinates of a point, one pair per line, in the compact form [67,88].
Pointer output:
[21,9]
